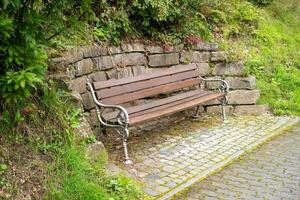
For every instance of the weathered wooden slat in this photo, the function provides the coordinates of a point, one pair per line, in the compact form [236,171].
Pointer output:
[171,104]
[150,91]
[131,87]
[157,103]
[174,109]
[160,73]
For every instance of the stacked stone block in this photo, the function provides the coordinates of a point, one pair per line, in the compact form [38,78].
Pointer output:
[100,63]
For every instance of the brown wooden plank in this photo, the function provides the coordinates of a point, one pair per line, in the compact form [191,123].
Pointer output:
[171,104]
[157,103]
[131,87]
[160,73]
[174,109]
[150,91]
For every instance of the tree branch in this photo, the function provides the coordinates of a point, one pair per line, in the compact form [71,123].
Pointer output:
[67,26]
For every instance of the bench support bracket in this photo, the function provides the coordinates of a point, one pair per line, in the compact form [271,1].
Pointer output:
[223,100]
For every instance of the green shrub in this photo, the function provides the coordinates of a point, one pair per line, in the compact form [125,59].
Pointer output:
[26,28]
[17,86]
[262,2]
[166,20]
[234,18]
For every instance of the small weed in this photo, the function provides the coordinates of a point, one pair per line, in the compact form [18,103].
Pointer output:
[3,168]
[89,140]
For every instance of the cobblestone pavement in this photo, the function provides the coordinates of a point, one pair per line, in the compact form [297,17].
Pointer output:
[171,166]
[271,172]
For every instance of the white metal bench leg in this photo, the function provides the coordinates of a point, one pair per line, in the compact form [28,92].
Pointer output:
[224,114]
[224,102]
[127,160]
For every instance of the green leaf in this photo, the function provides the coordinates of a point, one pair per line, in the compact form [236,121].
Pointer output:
[22,83]
[5,117]
[17,86]
[3,167]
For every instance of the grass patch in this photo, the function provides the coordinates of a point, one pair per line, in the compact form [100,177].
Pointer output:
[274,59]
[75,178]
[42,158]
[271,53]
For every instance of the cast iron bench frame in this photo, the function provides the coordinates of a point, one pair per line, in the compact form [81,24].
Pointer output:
[116,91]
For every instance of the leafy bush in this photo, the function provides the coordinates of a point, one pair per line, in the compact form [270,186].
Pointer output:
[262,2]
[16,86]
[26,27]
[232,18]
[164,20]
[172,21]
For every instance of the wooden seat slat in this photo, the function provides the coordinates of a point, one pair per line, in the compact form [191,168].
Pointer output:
[171,104]
[123,98]
[173,109]
[151,105]
[156,74]
[145,84]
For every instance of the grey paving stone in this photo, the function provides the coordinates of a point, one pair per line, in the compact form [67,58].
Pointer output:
[174,162]
[253,177]
[160,181]
[171,184]
[173,175]
[180,172]
[162,189]
[152,177]
[162,174]
[151,192]
[142,174]
[169,169]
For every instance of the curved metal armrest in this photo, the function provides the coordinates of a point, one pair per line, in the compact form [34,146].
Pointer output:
[224,87]
[122,120]
[118,107]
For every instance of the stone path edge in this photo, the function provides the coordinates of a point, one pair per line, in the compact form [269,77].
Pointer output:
[214,169]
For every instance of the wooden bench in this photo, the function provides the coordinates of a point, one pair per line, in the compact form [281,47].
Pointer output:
[111,94]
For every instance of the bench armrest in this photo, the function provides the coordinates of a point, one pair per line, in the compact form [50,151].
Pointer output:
[122,117]
[224,87]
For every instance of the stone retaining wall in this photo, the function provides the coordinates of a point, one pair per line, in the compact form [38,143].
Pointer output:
[99,63]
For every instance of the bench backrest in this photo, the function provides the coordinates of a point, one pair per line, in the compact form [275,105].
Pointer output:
[118,91]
